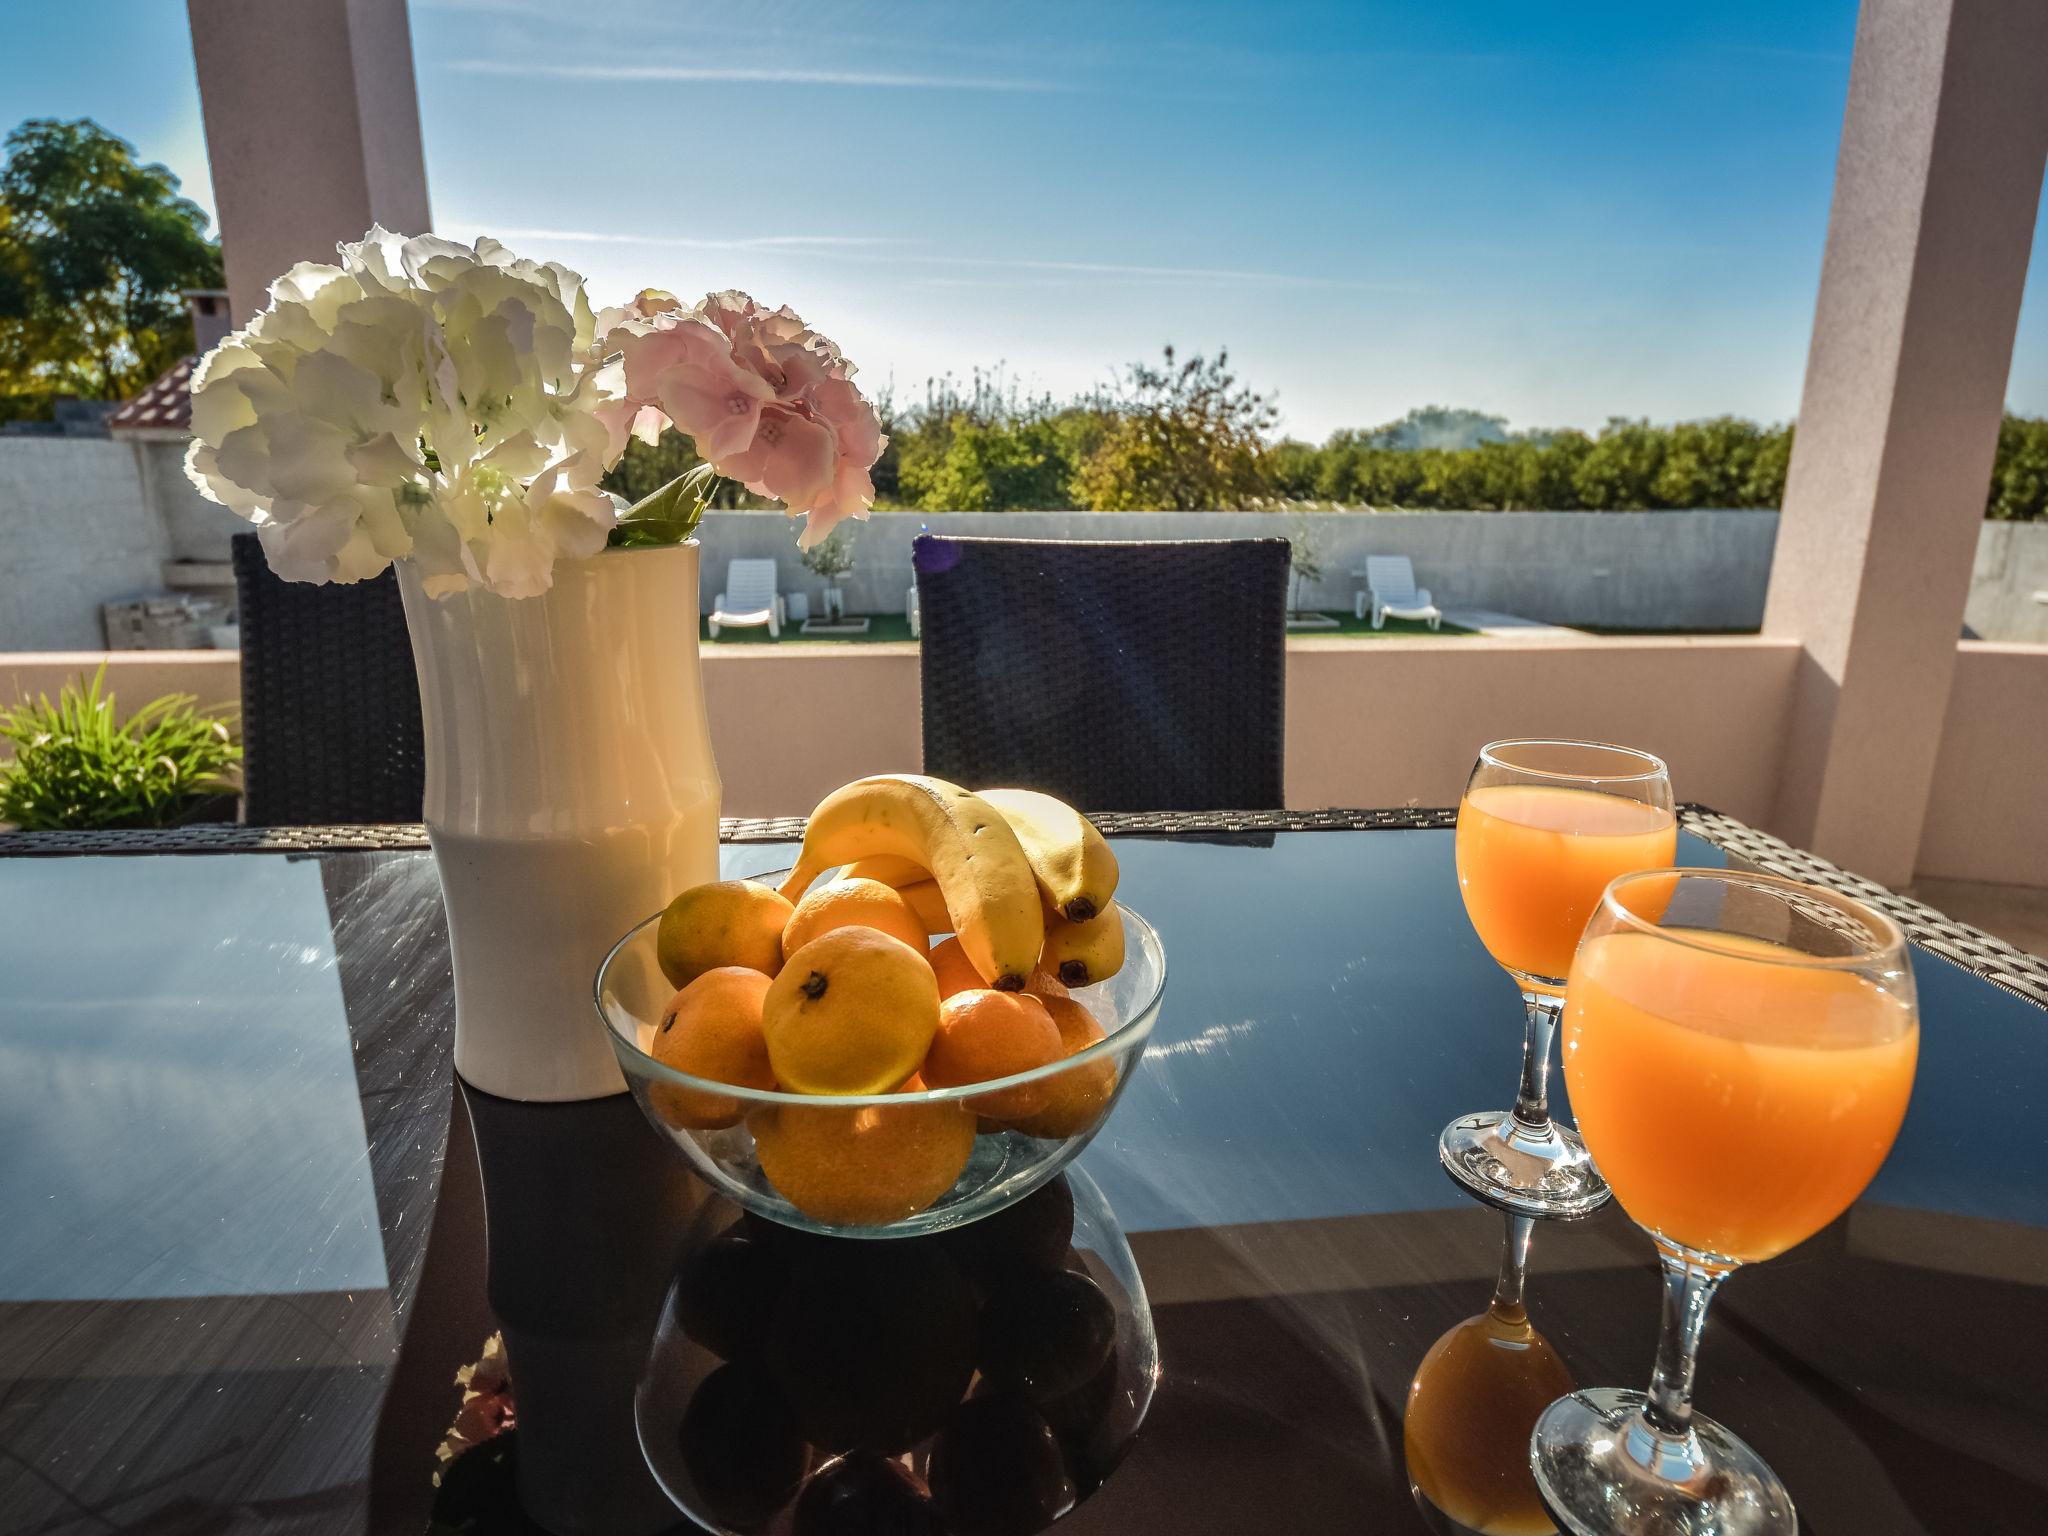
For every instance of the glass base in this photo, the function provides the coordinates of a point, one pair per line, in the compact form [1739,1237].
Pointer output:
[1603,1471]
[1533,1171]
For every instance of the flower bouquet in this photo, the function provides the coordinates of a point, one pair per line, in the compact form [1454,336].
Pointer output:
[452,410]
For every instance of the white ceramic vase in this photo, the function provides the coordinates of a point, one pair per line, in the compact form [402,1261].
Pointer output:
[570,792]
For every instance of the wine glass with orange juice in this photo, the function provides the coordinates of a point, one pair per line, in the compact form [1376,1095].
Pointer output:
[1740,1049]
[1543,827]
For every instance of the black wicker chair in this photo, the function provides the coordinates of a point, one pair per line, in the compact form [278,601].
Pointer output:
[330,702]
[1120,677]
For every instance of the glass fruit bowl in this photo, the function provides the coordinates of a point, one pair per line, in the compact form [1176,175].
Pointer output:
[891,1164]
[987,1379]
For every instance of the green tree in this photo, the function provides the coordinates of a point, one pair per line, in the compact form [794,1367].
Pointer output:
[1620,471]
[988,467]
[1184,436]
[1549,479]
[1291,467]
[1708,463]
[2019,476]
[646,467]
[94,248]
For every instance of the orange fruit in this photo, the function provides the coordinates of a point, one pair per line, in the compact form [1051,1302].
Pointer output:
[955,971]
[853,1011]
[984,1034]
[862,1166]
[723,922]
[854,904]
[712,1028]
[1045,985]
[1076,1097]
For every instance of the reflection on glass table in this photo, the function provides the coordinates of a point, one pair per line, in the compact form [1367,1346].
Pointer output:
[981,1381]
[1273,1163]
[1471,1406]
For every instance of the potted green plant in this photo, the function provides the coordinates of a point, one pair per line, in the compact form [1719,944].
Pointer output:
[828,560]
[1305,544]
[78,766]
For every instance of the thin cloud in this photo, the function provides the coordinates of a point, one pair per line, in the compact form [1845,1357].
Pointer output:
[794,244]
[873,249]
[741,75]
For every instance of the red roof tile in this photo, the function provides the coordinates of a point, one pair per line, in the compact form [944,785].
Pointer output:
[166,406]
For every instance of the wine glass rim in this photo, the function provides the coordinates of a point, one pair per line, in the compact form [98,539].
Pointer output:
[1129,1032]
[1490,753]
[1889,939]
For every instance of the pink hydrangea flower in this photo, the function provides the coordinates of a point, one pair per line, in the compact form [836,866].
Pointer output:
[768,401]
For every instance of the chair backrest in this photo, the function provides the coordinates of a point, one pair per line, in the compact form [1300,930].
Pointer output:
[330,701]
[1391,577]
[1120,677]
[749,584]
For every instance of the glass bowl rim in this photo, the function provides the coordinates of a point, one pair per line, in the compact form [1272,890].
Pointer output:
[1133,1031]
[1658,767]
[1890,939]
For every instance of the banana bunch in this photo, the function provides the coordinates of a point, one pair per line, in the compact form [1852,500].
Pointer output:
[1081,953]
[933,842]
[989,890]
[1075,869]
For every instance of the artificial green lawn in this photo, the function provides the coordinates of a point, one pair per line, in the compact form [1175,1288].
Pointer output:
[881,626]
[893,626]
[1349,628]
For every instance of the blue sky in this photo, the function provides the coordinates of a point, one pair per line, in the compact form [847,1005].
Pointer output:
[1558,212]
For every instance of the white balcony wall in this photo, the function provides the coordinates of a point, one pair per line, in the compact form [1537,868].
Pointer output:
[1372,723]
[76,531]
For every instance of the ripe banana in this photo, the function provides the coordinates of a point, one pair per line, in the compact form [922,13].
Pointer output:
[888,869]
[1075,868]
[1081,954]
[980,866]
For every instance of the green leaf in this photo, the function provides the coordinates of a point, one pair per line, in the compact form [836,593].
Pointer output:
[669,515]
[75,767]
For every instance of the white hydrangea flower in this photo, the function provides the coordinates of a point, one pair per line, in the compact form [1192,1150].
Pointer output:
[423,399]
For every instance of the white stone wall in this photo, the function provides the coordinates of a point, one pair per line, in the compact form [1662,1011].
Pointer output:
[76,531]
[85,521]
[1622,570]
[2009,584]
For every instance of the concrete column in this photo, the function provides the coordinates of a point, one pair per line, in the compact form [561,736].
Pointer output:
[1935,194]
[312,130]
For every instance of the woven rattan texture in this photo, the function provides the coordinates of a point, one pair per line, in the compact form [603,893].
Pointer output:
[1970,948]
[330,703]
[1119,676]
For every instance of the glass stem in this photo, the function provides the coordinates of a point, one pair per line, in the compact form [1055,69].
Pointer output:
[1532,1103]
[1514,1264]
[1689,1288]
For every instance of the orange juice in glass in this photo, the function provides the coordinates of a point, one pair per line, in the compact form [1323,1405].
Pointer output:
[1534,858]
[1744,1051]
[1543,827]
[1740,1050]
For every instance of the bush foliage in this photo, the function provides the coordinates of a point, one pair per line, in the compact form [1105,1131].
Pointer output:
[75,767]
[1186,435]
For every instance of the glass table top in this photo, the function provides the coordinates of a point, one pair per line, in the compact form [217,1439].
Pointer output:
[225,1093]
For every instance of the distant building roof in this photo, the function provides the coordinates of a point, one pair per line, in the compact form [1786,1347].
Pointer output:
[162,410]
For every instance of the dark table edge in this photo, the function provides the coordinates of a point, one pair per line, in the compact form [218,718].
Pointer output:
[1970,948]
